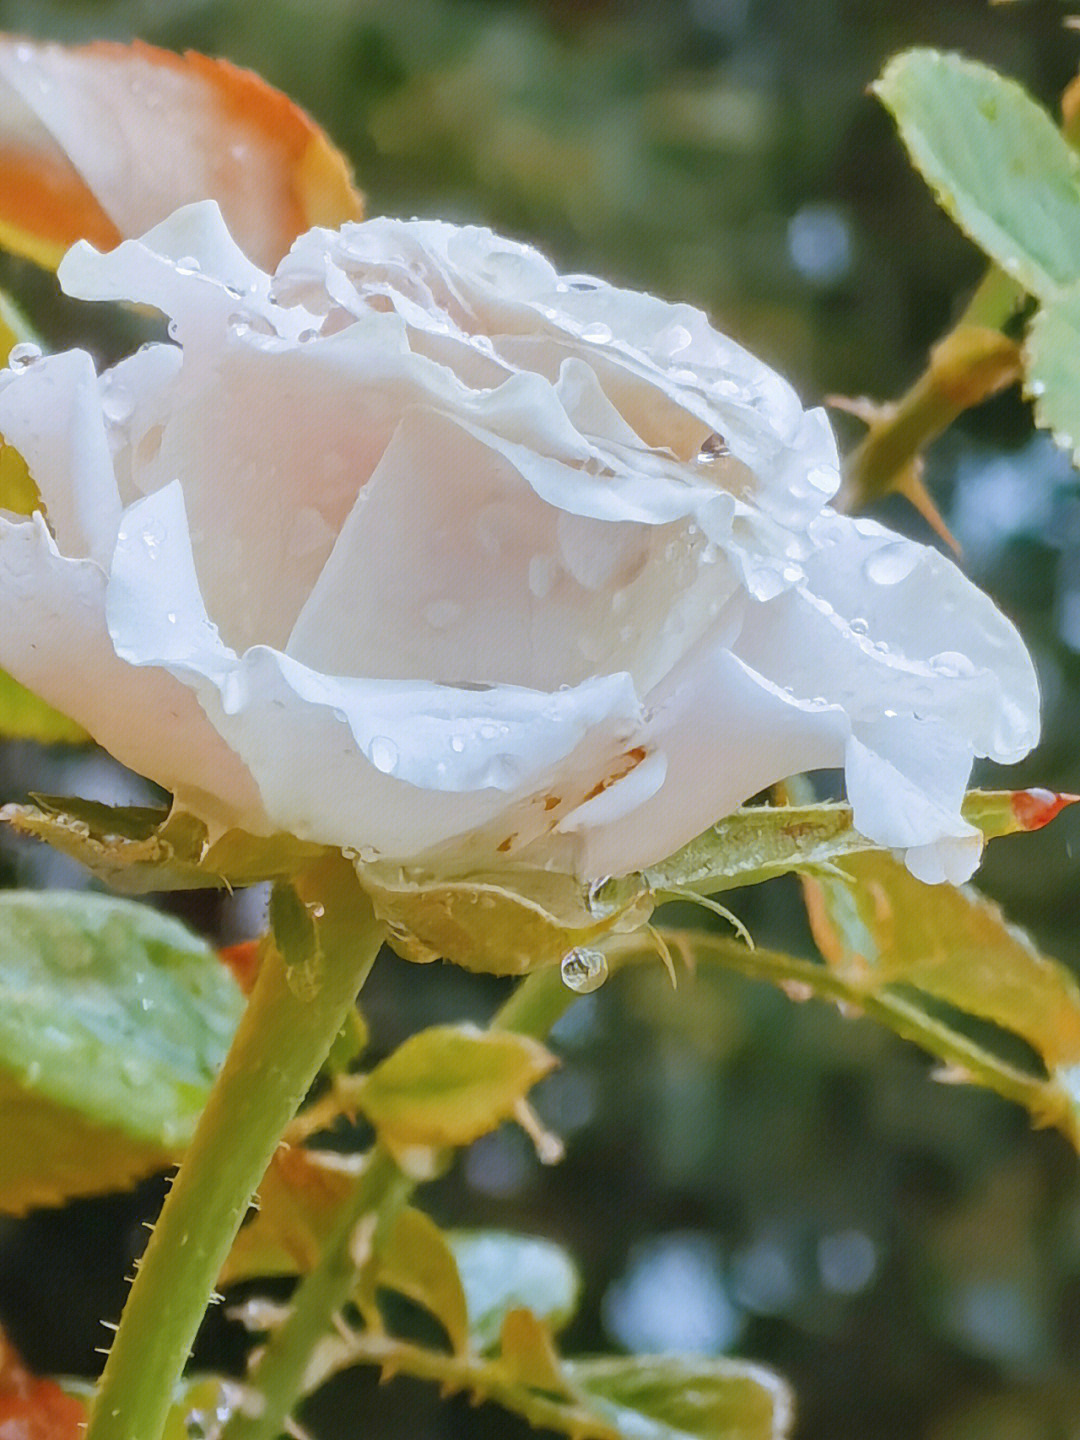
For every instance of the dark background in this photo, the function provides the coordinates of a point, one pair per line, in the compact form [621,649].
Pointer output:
[743,1173]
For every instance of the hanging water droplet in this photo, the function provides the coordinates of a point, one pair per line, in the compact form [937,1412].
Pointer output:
[584,971]
[23,354]
[891,564]
[383,754]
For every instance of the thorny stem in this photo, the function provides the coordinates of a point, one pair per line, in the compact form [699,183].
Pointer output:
[281,1042]
[804,979]
[381,1192]
[929,407]
[279,1379]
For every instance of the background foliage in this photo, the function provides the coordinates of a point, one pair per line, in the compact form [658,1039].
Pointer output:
[742,1173]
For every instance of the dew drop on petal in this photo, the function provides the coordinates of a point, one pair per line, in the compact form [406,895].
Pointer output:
[24,354]
[891,564]
[383,754]
[188,265]
[584,971]
[951,664]
[858,626]
[597,333]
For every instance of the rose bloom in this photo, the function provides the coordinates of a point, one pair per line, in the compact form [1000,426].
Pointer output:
[420,548]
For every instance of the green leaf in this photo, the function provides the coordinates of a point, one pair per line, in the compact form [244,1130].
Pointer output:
[1053,370]
[416,1260]
[114,1020]
[451,1084]
[758,842]
[995,160]
[673,1397]
[878,927]
[501,1272]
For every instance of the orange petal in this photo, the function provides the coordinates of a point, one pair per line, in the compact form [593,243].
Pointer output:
[103,141]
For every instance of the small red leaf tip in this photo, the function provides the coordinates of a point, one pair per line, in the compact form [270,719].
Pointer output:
[1036,808]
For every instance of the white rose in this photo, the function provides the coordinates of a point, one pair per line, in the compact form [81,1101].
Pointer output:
[419,548]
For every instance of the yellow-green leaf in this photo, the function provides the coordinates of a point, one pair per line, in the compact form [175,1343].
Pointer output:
[878,926]
[671,1397]
[759,842]
[114,1020]
[137,850]
[415,1260]
[451,1084]
[300,1198]
[527,1354]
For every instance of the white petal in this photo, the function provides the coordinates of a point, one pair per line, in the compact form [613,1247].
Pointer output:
[726,734]
[496,586]
[51,413]
[921,640]
[402,767]
[54,640]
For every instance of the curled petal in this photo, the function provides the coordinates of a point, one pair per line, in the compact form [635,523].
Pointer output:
[54,638]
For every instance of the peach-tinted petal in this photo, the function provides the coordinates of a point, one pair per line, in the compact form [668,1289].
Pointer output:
[105,140]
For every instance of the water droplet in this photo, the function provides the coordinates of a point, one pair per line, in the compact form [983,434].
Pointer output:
[188,265]
[892,563]
[23,354]
[951,664]
[858,626]
[116,400]
[596,333]
[171,617]
[824,478]
[675,338]
[457,744]
[584,971]
[306,336]
[383,754]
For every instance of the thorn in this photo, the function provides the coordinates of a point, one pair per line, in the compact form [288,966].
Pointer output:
[549,1148]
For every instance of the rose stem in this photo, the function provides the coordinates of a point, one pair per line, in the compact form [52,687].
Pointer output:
[280,1043]
[382,1190]
[926,409]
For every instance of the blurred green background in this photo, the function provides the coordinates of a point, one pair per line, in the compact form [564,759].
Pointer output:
[743,1173]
